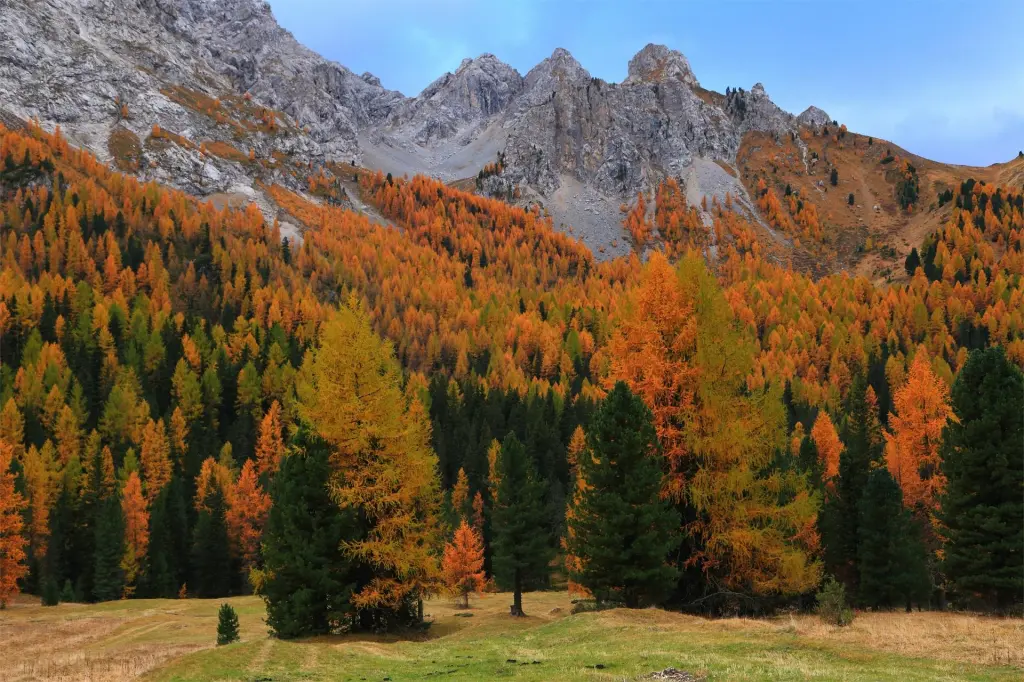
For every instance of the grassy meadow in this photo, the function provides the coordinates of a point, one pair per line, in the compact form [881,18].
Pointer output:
[173,640]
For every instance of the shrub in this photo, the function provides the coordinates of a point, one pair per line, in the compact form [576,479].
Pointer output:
[227,625]
[51,593]
[832,606]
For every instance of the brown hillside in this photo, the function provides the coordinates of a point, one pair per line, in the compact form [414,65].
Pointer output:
[872,236]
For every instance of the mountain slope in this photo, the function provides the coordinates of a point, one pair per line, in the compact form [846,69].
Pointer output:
[215,98]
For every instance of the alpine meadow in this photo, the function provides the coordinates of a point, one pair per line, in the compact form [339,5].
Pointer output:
[539,376]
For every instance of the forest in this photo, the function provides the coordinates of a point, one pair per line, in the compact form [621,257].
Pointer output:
[468,400]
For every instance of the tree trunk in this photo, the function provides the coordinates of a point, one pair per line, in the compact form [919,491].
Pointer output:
[517,595]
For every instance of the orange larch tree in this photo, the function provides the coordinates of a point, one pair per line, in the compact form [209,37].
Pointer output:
[247,515]
[12,542]
[920,411]
[270,445]
[463,563]
[136,531]
[829,447]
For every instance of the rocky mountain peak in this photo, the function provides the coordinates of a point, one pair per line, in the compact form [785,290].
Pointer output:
[478,90]
[657,64]
[560,64]
[813,116]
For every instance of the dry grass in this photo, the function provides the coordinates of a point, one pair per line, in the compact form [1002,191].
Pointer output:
[983,640]
[174,640]
[106,642]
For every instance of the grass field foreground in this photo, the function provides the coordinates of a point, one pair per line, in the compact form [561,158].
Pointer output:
[174,640]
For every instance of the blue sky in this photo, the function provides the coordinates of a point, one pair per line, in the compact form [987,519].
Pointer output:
[943,79]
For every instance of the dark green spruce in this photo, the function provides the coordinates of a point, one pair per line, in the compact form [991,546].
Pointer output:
[309,577]
[620,528]
[891,555]
[983,460]
[522,548]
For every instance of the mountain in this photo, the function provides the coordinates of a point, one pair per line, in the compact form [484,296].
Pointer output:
[215,98]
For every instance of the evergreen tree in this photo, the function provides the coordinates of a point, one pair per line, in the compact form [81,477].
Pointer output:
[983,461]
[51,593]
[227,625]
[168,546]
[286,251]
[108,577]
[622,531]
[309,578]
[212,569]
[891,555]
[861,433]
[522,550]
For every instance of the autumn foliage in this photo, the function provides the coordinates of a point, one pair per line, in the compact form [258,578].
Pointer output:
[12,542]
[921,412]
[142,324]
[463,563]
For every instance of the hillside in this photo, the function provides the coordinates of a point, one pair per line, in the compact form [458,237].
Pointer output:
[873,235]
[218,100]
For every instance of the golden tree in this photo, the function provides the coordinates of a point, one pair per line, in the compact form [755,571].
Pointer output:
[678,345]
[384,467]
[270,445]
[155,458]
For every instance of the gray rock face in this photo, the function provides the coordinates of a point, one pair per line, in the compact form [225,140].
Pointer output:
[74,62]
[561,132]
[478,90]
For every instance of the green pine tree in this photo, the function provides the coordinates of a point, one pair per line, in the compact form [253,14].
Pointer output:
[861,433]
[212,567]
[522,550]
[620,528]
[913,262]
[891,555]
[309,580]
[227,625]
[983,460]
[108,577]
[168,548]
[67,593]
[51,593]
